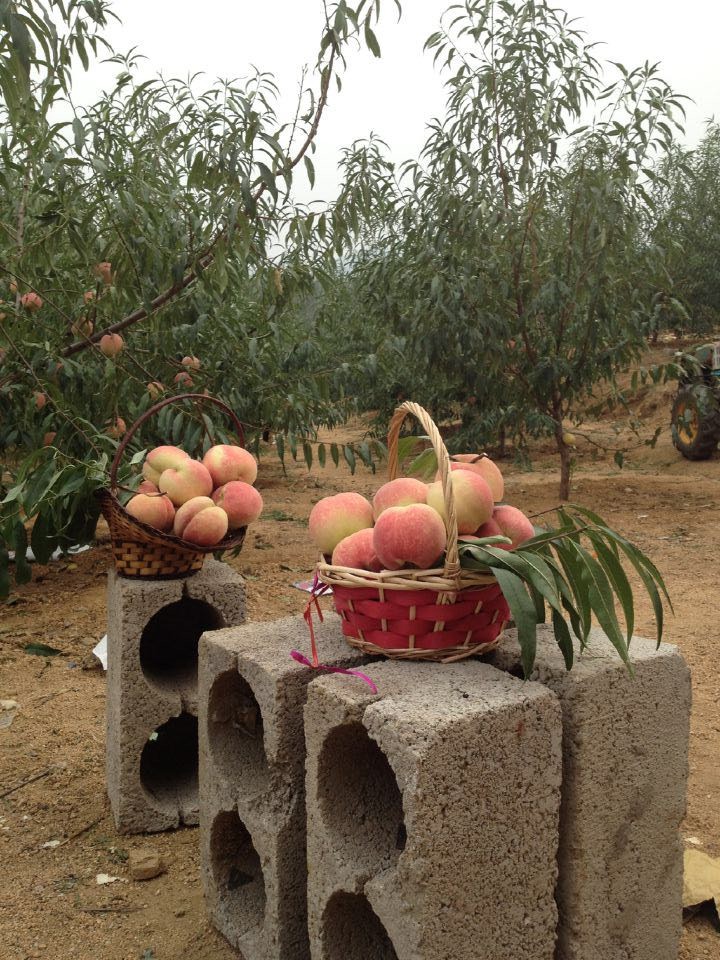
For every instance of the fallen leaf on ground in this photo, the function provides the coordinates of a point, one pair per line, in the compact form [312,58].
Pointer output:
[104,878]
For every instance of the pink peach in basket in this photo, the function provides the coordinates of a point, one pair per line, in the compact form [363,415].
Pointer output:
[160,459]
[190,479]
[473,500]
[227,462]
[409,536]
[512,523]
[334,518]
[484,467]
[242,503]
[357,551]
[156,511]
[399,493]
[207,527]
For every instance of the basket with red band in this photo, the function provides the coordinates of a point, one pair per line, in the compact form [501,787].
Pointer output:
[396,577]
[184,508]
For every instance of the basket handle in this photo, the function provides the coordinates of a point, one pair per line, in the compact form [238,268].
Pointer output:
[452,557]
[151,411]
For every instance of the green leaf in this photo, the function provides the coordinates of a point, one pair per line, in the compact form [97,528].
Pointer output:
[371,40]
[280,446]
[335,454]
[601,601]
[563,638]
[522,609]
[310,170]
[40,538]
[308,454]
[321,454]
[349,455]
[618,579]
[41,650]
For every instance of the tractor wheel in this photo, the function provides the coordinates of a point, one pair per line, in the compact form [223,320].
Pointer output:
[696,422]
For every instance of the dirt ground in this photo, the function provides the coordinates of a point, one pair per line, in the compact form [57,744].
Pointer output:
[51,906]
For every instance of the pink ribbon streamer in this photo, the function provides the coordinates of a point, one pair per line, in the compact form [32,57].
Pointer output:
[318,591]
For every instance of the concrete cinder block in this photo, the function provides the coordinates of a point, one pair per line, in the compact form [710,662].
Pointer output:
[154,627]
[625,768]
[433,812]
[252,780]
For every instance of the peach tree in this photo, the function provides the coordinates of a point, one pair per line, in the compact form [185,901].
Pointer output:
[513,257]
[160,220]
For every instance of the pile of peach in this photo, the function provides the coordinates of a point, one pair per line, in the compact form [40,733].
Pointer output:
[405,524]
[198,502]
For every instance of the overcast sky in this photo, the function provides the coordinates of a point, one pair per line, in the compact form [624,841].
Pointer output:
[396,95]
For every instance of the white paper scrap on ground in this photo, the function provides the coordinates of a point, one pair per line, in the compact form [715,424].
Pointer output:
[70,552]
[100,651]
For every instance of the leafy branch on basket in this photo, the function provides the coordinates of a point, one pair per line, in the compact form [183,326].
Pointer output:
[576,570]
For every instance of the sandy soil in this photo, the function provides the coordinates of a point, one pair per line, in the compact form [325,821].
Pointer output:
[51,907]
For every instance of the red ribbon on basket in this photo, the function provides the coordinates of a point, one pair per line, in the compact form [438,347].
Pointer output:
[318,591]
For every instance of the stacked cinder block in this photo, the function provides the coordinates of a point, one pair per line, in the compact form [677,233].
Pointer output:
[154,627]
[433,814]
[625,767]
[252,770]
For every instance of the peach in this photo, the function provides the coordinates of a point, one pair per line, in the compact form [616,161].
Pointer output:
[473,500]
[227,462]
[160,459]
[82,328]
[334,518]
[189,479]
[207,527]
[49,438]
[13,287]
[399,493]
[357,551]
[183,379]
[191,363]
[155,389]
[104,272]
[514,524]
[148,487]
[157,512]
[409,536]
[89,296]
[187,511]
[111,344]
[490,529]
[31,301]
[485,467]
[40,400]
[116,428]
[241,502]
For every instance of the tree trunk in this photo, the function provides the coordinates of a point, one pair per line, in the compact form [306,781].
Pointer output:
[565,462]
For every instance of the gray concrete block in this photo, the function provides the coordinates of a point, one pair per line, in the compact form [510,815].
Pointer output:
[154,627]
[252,780]
[433,812]
[625,768]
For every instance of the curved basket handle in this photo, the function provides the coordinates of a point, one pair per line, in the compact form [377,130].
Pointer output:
[452,558]
[151,411]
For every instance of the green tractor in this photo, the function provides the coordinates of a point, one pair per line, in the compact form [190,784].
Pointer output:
[696,409]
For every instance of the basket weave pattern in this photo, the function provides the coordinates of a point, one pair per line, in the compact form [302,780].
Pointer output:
[144,552]
[445,614]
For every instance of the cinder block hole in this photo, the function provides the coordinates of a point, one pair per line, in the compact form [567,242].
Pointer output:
[360,799]
[235,731]
[169,643]
[169,765]
[353,931]
[238,873]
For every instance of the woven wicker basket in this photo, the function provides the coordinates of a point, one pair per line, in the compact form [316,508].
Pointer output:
[140,551]
[444,614]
